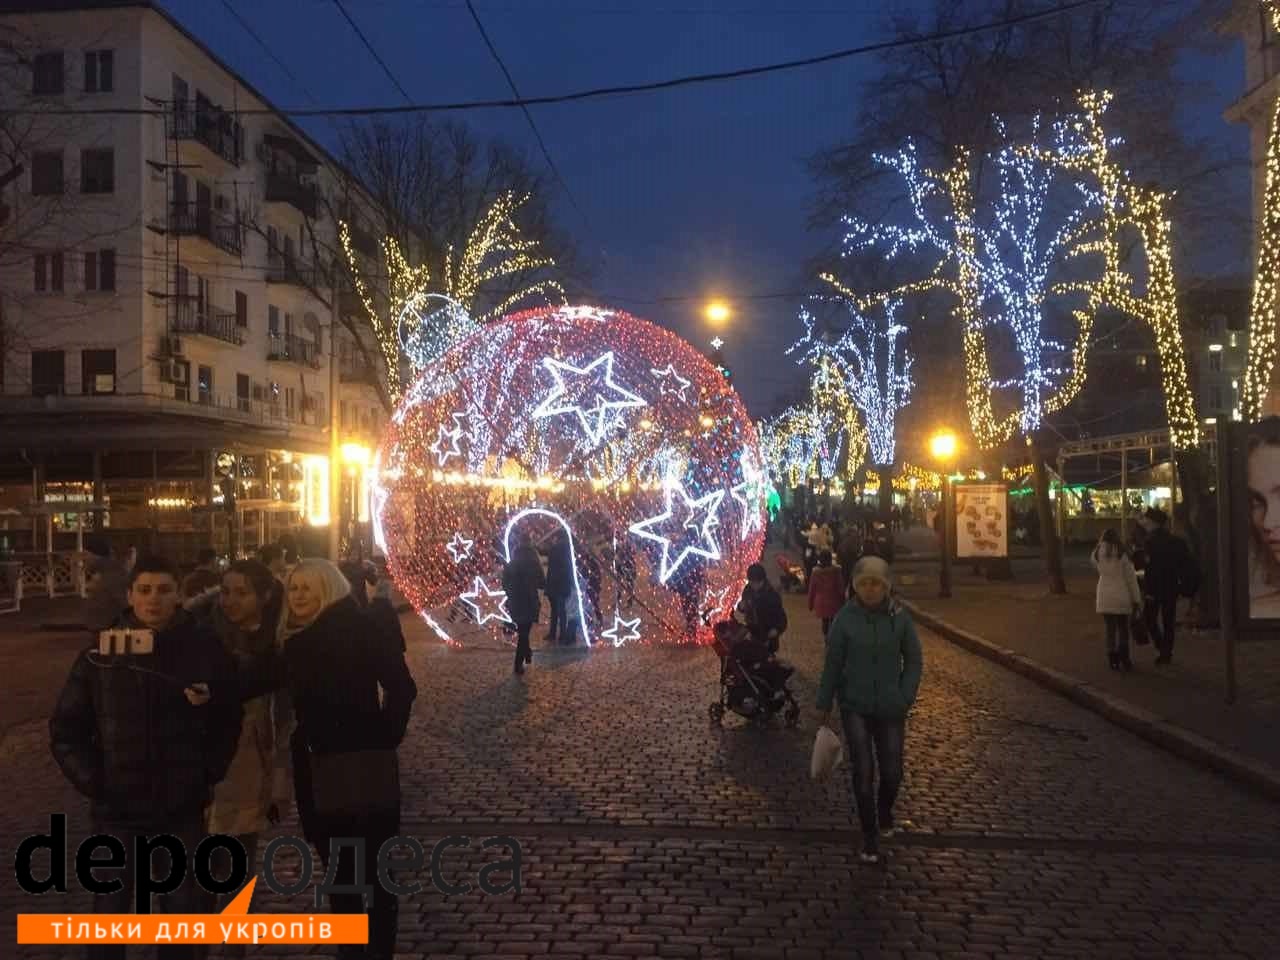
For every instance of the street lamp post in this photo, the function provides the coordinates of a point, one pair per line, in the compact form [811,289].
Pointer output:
[943,447]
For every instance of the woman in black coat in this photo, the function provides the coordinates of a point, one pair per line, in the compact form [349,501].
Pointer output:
[336,662]
[521,580]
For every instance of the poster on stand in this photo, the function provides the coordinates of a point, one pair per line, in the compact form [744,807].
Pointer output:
[982,520]
[1249,490]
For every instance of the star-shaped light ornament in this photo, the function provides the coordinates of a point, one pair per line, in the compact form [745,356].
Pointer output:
[697,515]
[713,601]
[459,547]
[486,604]
[446,444]
[717,343]
[672,382]
[622,631]
[750,493]
[588,392]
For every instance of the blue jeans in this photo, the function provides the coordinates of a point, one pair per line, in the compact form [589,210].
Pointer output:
[874,742]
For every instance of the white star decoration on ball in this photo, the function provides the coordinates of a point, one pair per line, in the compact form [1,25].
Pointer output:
[487,604]
[614,633]
[459,547]
[591,394]
[713,601]
[672,382]
[451,437]
[704,506]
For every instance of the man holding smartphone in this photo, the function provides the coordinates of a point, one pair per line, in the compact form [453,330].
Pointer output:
[147,735]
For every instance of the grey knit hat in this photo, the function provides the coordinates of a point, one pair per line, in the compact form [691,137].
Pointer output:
[872,568]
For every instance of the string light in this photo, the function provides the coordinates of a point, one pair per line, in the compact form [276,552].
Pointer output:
[869,363]
[818,440]
[1262,318]
[541,417]
[1001,271]
[420,324]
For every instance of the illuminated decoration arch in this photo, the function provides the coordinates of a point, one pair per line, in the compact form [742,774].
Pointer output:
[581,419]
[1263,315]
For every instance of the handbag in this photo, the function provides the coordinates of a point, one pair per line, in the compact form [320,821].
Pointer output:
[827,754]
[355,782]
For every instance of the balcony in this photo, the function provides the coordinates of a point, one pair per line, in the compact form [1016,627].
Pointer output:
[211,127]
[194,220]
[290,189]
[290,348]
[289,271]
[353,368]
[207,321]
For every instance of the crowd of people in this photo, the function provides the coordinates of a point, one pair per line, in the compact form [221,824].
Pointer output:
[276,680]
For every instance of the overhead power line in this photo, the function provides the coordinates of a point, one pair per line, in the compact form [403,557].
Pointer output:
[369,46]
[268,51]
[613,91]
[537,135]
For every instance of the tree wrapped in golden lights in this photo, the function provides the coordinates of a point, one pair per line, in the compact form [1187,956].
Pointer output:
[818,440]
[1263,316]
[497,269]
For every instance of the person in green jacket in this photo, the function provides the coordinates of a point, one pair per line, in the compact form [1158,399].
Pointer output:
[873,667]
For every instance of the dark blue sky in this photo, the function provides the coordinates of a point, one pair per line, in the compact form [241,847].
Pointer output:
[698,191]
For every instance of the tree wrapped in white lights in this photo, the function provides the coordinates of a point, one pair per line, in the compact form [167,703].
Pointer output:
[821,439]
[873,366]
[1266,291]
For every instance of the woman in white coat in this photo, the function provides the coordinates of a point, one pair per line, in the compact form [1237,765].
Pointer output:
[1119,598]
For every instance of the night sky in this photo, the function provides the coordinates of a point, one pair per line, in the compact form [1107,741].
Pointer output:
[695,192]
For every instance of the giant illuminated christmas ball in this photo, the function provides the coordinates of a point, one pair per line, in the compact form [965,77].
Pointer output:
[624,454]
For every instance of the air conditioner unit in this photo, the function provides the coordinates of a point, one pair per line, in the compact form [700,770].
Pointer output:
[172,345]
[171,371]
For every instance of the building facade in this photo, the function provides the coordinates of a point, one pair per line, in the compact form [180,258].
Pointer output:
[172,322]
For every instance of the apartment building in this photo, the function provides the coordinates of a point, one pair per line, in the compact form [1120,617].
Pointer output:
[1253,25]
[168,307]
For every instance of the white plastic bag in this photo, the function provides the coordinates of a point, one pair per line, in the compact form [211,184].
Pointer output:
[827,754]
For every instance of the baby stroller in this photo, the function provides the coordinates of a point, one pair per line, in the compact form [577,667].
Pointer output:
[753,682]
[790,573]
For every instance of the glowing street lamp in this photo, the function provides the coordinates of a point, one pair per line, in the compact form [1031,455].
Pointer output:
[717,312]
[943,446]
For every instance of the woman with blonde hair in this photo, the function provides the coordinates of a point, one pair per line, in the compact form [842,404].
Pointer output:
[352,694]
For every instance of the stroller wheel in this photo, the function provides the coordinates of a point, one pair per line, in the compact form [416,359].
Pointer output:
[793,715]
[716,712]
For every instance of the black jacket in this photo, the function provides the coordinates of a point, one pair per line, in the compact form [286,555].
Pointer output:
[1168,558]
[560,570]
[764,612]
[128,739]
[521,580]
[335,667]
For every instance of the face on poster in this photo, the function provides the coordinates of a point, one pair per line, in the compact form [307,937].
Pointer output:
[1261,452]
[982,511]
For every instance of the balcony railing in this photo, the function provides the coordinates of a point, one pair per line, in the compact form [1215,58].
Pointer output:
[195,220]
[287,188]
[214,128]
[290,348]
[207,321]
[290,271]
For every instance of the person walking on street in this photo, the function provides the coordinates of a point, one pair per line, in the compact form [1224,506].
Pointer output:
[1168,563]
[1118,596]
[559,587]
[521,581]
[351,694]
[148,736]
[826,591]
[873,668]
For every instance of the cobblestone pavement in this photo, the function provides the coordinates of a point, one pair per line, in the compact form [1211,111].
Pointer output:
[1040,830]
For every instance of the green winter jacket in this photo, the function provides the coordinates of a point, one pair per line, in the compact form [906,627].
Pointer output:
[874,662]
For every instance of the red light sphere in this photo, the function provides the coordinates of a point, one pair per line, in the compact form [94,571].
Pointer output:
[580,421]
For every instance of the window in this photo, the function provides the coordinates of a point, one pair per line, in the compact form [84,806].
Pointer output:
[48,276]
[1234,339]
[97,171]
[1215,361]
[1142,361]
[289,401]
[242,309]
[242,391]
[98,68]
[46,173]
[47,73]
[1215,398]
[48,372]
[100,270]
[204,384]
[273,321]
[97,371]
